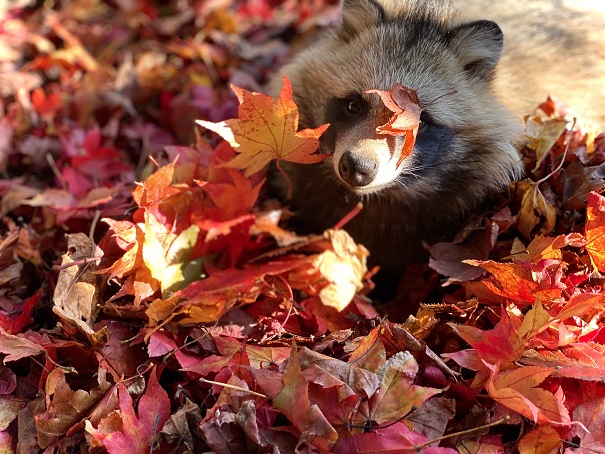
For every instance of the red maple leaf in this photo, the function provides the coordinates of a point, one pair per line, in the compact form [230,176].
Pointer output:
[405,105]
[137,432]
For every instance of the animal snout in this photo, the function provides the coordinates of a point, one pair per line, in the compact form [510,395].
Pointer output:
[357,170]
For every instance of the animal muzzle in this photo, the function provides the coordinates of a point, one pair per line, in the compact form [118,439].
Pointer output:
[357,170]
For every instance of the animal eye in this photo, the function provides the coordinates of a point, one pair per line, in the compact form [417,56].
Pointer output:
[354,107]
[425,120]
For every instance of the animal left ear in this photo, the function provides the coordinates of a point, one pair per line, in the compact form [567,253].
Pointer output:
[358,15]
[479,46]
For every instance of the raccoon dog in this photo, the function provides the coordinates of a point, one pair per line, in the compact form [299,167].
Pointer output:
[465,150]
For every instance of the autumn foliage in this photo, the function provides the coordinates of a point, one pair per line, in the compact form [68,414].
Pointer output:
[154,299]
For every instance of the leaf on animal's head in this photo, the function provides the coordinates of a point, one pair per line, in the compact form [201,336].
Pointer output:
[267,129]
[405,105]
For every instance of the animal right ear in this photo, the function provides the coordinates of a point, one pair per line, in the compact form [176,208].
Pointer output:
[358,15]
[478,45]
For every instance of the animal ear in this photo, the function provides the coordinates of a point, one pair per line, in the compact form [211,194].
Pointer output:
[479,46]
[358,15]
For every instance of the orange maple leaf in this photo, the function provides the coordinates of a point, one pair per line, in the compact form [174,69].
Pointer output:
[535,210]
[518,390]
[405,105]
[595,230]
[267,129]
[522,283]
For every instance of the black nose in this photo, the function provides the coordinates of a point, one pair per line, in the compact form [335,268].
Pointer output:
[357,170]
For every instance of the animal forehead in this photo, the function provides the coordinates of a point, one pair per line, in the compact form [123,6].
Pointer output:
[392,51]
[375,67]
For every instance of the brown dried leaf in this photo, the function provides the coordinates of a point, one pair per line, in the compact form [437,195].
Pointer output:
[535,210]
[77,294]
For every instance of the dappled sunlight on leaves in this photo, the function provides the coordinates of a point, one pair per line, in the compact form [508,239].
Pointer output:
[154,296]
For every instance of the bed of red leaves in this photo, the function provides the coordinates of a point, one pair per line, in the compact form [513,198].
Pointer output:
[177,315]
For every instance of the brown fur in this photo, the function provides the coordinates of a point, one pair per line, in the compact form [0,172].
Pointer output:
[466,153]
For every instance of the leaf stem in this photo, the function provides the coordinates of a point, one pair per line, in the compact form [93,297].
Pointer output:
[542,180]
[350,215]
[237,388]
[286,177]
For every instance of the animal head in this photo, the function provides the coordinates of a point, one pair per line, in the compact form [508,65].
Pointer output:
[421,45]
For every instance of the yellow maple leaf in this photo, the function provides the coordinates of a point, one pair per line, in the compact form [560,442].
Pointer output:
[535,210]
[594,231]
[267,129]
[344,268]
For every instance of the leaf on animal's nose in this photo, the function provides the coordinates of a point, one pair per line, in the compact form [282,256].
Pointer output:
[267,129]
[405,121]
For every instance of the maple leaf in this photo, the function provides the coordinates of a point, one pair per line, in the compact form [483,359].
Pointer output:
[294,402]
[394,439]
[582,360]
[46,104]
[543,439]
[501,345]
[67,406]
[268,223]
[177,429]
[542,135]
[166,254]
[397,394]
[535,210]
[155,187]
[447,258]
[77,294]
[17,347]
[89,164]
[545,247]
[344,268]
[74,121]
[579,182]
[519,282]
[580,303]
[20,316]
[267,129]
[208,299]
[433,417]
[370,353]
[234,199]
[137,433]
[594,231]
[124,240]
[360,380]
[518,390]
[592,415]
[405,105]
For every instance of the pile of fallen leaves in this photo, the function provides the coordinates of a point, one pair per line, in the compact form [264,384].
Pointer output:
[179,314]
